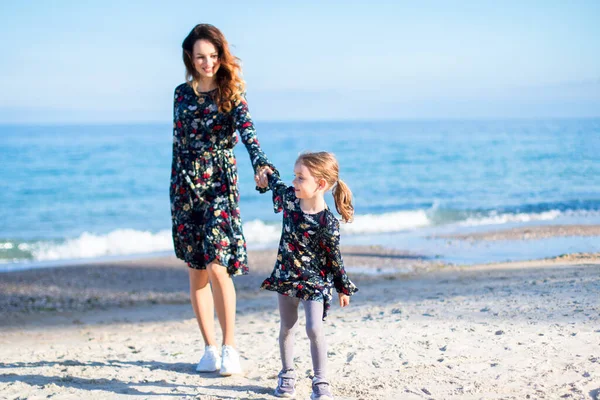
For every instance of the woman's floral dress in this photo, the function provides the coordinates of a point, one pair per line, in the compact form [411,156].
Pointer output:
[204,193]
[309,263]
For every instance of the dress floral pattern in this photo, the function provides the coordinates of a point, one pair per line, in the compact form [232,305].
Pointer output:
[204,193]
[309,263]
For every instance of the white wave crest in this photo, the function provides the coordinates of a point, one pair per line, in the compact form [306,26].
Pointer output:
[118,242]
[498,219]
[257,232]
[124,242]
[6,245]
[388,222]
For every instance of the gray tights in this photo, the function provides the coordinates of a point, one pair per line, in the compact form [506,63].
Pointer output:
[288,311]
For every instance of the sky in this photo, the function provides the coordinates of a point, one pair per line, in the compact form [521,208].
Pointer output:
[118,62]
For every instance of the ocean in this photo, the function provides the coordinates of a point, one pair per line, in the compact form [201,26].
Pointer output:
[77,192]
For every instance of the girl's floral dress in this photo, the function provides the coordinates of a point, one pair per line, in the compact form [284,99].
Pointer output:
[204,193]
[309,263]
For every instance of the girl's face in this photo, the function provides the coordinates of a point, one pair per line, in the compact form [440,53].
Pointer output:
[305,185]
[206,59]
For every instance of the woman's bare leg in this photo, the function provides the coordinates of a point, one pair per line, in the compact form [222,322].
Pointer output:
[202,302]
[224,300]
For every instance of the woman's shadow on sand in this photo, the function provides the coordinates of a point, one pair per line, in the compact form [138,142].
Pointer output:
[128,388]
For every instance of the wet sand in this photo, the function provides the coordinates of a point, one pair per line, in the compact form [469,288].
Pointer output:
[530,233]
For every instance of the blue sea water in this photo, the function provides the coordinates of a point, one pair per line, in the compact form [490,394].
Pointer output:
[70,192]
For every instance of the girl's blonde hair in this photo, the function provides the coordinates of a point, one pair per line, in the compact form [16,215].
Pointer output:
[323,165]
[230,84]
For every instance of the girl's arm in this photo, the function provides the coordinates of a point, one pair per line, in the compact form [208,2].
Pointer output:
[335,264]
[245,126]
[279,189]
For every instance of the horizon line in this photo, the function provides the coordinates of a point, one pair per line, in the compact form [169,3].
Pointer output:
[316,120]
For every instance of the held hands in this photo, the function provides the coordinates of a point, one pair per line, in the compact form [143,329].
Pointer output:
[262,177]
[344,300]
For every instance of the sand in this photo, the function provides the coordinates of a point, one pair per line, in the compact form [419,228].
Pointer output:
[125,330]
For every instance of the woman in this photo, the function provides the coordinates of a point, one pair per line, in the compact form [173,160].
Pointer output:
[207,229]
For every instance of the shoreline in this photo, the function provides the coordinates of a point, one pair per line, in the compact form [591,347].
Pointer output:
[529,232]
[489,234]
[103,286]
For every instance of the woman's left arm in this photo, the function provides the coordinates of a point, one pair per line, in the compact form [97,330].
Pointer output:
[335,264]
[245,126]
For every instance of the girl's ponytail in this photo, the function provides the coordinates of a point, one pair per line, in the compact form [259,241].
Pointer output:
[343,201]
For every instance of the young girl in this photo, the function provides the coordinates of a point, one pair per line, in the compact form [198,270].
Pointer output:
[309,264]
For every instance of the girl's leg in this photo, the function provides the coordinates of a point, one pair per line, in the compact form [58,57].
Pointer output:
[202,303]
[314,330]
[224,300]
[288,313]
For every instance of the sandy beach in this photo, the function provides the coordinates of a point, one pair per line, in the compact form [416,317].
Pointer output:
[425,330]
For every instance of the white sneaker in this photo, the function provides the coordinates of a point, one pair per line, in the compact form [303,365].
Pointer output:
[230,362]
[210,361]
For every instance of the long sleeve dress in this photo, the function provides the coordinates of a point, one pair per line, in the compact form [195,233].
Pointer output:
[309,263]
[204,190]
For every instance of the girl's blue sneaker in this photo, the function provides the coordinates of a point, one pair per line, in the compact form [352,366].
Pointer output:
[320,390]
[286,382]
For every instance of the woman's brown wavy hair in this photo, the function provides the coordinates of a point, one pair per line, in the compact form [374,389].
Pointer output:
[323,165]
[230,84]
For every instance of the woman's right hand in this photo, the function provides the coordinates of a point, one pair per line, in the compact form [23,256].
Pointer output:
[262,177]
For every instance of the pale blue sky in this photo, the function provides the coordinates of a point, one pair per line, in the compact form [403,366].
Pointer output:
[116,61]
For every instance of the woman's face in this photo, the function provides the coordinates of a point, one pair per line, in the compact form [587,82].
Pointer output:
[206,58]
